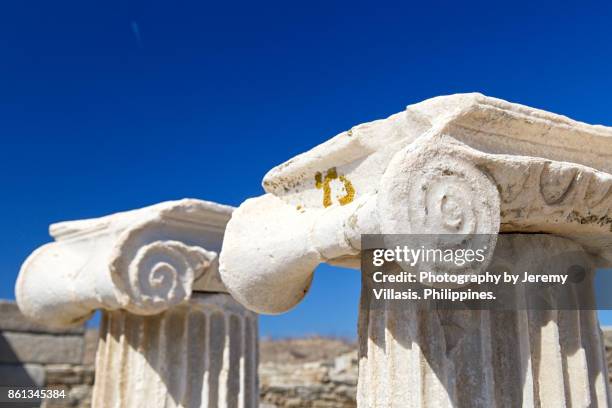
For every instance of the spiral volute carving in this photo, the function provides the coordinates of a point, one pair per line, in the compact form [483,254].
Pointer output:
[438,199]
[159,275]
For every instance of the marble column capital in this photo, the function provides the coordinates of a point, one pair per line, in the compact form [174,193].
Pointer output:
[466,164]
[143,261]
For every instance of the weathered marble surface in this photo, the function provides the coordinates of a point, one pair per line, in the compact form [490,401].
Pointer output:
[143,261]
[500,167]
[200,354]
[484,358]
[171,335]
[460,164]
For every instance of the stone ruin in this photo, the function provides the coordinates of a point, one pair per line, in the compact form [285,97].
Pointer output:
[35,355]
[170,334]
[293,373]
[179,283]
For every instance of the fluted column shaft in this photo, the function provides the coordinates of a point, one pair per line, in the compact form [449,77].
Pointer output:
[202,353]
[525,357]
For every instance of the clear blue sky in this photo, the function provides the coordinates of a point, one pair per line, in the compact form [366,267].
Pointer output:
[112,105]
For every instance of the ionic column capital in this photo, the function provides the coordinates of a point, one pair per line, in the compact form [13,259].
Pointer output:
[143,261]
[454,164]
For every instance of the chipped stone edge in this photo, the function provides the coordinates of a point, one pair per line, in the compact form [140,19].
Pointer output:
[143,261]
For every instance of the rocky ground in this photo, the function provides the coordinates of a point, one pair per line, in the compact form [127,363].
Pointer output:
[320,372]
[309,372]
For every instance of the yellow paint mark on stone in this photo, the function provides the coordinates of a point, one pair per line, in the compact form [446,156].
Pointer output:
[318,180]
[350,191]
[324,183]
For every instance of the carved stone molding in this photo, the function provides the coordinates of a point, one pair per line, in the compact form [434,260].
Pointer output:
[143,261]
[454,164]
[170,334]
[460,164]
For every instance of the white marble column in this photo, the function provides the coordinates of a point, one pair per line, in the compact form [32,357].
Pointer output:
[199,354]
[171,335]
[461,164]
[484,358]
